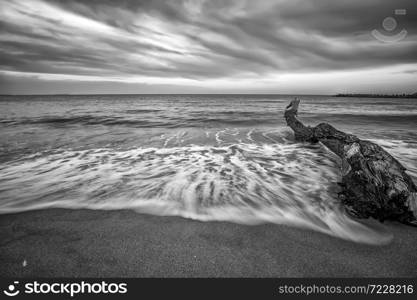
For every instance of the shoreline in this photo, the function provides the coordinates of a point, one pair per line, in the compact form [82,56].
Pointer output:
[123,243]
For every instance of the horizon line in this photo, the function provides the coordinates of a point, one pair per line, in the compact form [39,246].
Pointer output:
[94,94]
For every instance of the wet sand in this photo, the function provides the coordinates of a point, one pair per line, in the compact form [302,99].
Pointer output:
[93,243]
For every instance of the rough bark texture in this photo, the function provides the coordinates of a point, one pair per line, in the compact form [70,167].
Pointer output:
[374,184]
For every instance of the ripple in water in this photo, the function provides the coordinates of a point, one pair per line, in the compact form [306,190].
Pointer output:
[248,183]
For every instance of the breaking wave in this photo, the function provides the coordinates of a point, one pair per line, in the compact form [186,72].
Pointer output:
[242,181]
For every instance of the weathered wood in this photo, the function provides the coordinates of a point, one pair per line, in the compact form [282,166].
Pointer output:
[374,184]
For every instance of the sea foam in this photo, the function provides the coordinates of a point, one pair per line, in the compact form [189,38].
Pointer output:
[243,182]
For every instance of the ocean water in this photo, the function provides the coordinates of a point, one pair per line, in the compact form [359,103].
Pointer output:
[205,157]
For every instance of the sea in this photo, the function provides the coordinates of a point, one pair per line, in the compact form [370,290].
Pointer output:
[204,157]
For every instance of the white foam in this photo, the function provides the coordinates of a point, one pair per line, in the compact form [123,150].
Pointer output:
[244,183]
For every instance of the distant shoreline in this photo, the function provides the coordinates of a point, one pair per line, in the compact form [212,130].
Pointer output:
[347,95]
[402,96]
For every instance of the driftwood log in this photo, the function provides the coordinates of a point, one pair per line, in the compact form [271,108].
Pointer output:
[374,184]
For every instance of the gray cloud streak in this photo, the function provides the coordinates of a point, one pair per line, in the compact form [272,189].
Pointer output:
[199,39]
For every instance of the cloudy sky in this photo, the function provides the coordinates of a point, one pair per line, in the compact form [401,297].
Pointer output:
[212,46]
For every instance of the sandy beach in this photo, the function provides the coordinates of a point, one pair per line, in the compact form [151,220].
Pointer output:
[75,243]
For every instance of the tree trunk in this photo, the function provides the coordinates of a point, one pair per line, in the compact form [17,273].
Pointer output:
[374,184]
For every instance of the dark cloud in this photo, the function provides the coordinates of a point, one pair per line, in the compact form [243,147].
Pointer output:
[199,40]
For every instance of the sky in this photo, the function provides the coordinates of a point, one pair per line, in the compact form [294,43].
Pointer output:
[208,46]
